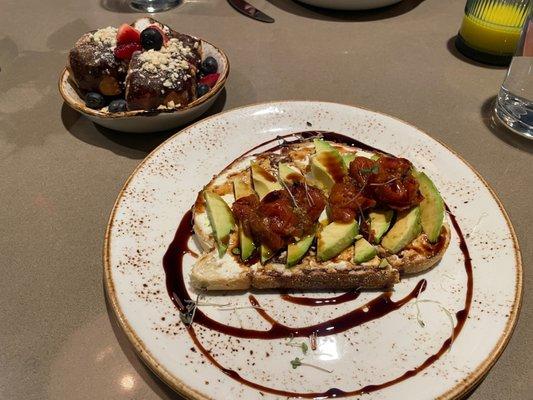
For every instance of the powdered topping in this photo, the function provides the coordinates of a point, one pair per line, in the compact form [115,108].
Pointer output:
[170,60]
[106,36]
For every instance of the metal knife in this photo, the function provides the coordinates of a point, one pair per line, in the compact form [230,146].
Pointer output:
[250,11]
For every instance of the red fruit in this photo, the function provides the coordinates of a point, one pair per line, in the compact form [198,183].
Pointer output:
[210,80]
[163,34]
[124,51]
[127,34]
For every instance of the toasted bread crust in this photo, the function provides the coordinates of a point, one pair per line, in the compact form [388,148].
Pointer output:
[324,279]
[414,261]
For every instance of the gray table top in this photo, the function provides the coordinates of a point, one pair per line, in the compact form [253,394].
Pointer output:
[61,174]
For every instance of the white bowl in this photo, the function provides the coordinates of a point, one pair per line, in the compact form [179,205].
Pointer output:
[350,4]
[146,121]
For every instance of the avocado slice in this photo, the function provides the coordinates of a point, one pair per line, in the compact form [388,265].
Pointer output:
[296,251]
[241,189]
[264,181]
[363,251]
[246,244]
[289,175]
[266,253]
[431,208]
[220,218]
[379,223]
[327,165]
[375,156]
[334,238]
[348,158]
[404,231]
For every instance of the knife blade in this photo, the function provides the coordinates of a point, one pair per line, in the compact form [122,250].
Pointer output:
[250,11]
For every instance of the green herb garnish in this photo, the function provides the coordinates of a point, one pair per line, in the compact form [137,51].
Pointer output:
[372,170]
[297,362]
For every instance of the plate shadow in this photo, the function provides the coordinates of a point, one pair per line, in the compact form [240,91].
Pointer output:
[308,11]
[131,145]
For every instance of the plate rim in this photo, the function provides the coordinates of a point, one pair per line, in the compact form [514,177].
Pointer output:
[178,385]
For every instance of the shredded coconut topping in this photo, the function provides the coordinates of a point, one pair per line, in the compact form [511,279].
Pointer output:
[106,36]
[169,60]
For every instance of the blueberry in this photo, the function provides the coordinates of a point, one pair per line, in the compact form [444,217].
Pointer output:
[94,100]
[151,38]
[202,89]
[118,105]
[209,66]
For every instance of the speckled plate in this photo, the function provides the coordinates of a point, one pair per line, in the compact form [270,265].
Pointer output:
[374,360]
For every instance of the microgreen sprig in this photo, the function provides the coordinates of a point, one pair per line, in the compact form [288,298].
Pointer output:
[298,362]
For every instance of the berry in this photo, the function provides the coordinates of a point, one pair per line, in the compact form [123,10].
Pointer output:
[94,100]
[210,80]
[163,34]
[127,34]
[125,51]
[118,106]
[209,66]
[202,89]
[151,38]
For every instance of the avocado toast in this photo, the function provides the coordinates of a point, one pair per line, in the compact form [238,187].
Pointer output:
[317,215]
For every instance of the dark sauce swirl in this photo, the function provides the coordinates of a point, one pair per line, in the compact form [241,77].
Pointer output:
[374,309]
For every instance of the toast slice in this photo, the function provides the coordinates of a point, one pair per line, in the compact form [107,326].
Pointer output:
[381,269]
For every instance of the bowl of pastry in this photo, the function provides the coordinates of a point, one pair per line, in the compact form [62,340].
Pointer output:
[143,77]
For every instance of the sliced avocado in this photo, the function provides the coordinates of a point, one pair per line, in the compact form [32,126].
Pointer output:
[327,165]
[220,218]
[264,181]
[289,175]
[296,251]
[241,189]
[348,158]
[334,238]
[384,263]
[246,244]
[431,208]
[363,251]
[323,218]
[404,231]
[266,253]
[379,223]
[375,156]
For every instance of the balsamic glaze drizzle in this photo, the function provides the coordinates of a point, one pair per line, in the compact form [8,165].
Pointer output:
[376,308]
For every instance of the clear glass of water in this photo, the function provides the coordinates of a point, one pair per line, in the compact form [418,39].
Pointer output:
[514,106]
[153,6]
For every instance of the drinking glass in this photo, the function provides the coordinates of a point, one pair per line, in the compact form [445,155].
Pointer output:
[514,106]
[152,6]
[491,29]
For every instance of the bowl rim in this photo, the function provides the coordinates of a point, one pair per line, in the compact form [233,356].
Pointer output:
[82,108]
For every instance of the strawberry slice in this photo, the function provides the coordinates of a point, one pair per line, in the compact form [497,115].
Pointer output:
[163,34]
[127,34]
[125,51]
[210,79]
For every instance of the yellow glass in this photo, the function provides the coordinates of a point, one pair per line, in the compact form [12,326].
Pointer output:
[492,27]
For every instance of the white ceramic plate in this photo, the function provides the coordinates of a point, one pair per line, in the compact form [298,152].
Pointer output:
[350,4]
[141,121]
[164,186]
